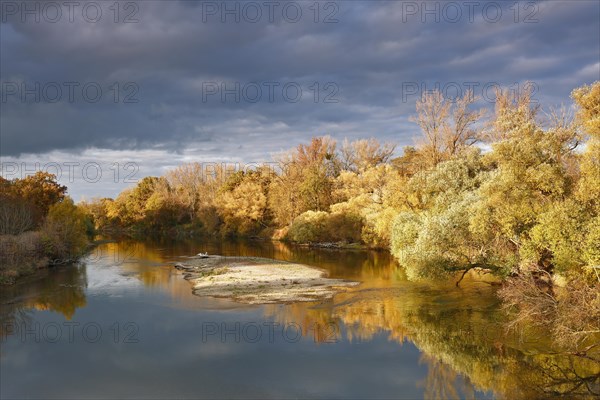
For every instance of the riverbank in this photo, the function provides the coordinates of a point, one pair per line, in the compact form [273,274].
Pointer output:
[23,255]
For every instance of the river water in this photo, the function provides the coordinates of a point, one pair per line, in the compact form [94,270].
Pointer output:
[125,324]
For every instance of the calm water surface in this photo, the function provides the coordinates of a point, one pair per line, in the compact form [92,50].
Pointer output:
[124,324]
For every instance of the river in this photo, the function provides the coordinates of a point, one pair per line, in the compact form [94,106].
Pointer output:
[125,324]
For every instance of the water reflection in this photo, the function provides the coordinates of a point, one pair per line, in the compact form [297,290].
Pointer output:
[61,290]
[443,382]
[464,342]
[461,333]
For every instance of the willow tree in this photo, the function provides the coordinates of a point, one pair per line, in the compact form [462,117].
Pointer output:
[564,238]
[564,235]
[432,237]
[588,190]
[530,174]
[588,100]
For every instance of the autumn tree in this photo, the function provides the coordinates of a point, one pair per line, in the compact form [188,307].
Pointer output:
[364,153]
[97,211]
[64,232]
[318,164]
[164,208]
[305,180]
[448,128]
[410,162]
[515,112]
[432,237]
[186,183]
[31,197]
[588,116]
[530,174]
[242,202]
[15,216]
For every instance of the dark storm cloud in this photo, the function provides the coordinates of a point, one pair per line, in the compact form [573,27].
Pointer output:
[370,56]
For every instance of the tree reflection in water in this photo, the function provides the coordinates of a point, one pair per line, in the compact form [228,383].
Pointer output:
[60,289]
[461,332]
[464,340]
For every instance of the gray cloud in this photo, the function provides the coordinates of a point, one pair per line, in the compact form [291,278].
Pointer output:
[368,57]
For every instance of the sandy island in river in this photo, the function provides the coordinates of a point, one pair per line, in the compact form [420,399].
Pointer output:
[254,280]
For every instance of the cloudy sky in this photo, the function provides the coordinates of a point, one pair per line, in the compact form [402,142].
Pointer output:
[106,94]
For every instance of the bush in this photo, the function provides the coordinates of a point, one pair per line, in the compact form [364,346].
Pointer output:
[377,228]
[344,227]
[63,233]
[208,218]
[321,226]
[308,227]
[16,217]
[20,255]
